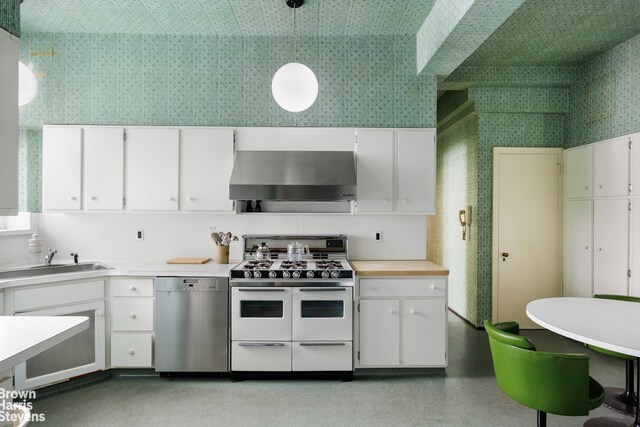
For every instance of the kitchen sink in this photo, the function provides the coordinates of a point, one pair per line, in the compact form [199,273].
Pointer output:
[45,270]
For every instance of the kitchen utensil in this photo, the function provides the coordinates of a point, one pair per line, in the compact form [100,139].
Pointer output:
[188,260]
[296,251]
[215,237]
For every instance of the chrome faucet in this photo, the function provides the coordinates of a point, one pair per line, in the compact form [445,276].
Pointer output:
[49,256]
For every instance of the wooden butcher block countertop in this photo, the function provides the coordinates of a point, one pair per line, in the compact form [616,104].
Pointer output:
[398,268]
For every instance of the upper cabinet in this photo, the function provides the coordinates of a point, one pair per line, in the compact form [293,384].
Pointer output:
[152,169]
[61,167]
[206,160]
[578,172]
[103,168]
[396,171]
[635,164]
[8,124]
[611,167]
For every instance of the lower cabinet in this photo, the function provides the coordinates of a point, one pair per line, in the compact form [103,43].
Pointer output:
[402,322]
[131,322]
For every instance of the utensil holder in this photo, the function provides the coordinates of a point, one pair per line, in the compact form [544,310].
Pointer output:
[222,254]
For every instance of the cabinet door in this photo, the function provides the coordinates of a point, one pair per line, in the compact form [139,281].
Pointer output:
[610,241]
[103,168]
[61,167]
[416,171]
[578,248]
[379,332]
[578,164]
[634,288]
[611,168]
[635,165]
[206,162]
[424,332]
[375,171]
[152,169]
[8,124]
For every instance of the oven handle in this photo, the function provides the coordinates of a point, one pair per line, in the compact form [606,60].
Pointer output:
[336,289]
[260,344]
[263,290]
[321,344]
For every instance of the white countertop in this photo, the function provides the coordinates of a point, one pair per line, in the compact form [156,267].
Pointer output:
[22,337]
[161,268]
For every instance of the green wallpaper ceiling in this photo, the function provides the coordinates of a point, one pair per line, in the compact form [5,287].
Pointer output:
[225,17]
[559,32]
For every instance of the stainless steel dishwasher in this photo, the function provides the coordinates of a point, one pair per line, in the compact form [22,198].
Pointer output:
[192,318]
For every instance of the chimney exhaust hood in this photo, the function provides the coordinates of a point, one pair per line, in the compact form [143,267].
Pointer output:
[293,176]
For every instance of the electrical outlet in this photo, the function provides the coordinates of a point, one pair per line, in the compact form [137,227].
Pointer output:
[140,234]
[377,235]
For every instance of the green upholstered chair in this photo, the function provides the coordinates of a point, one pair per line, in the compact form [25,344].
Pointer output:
[552,383]
[618,399]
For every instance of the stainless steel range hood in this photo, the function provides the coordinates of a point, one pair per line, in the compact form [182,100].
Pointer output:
[293,176]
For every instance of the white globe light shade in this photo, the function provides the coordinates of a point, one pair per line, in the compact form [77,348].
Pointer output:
[27,85]
[294,87]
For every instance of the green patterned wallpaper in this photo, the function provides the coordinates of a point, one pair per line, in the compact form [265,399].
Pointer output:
[29,177]
[10,16]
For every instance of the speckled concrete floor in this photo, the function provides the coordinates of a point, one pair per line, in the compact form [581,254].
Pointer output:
[466,394]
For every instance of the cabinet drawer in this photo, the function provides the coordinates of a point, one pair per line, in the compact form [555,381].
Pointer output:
[260,356]
[131,350]
[322,356]
[421,287]
[128,287]
[132,314]
[29,299]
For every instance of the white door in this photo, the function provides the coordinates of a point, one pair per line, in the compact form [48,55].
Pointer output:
[152,169]
[611,167]
[379,332]
[103,168]
[61,168]
[375,172]
[527,230]
[416,170]
[634,288]
[610,242]
[578,248]
[206,158]
[9,53]
[635,165]
[424,332]
[578,166]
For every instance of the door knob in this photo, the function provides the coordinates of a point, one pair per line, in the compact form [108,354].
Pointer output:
[505,255]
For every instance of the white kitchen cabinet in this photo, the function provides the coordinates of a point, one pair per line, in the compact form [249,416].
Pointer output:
[206,159]
[396,171]
[402,322]
[61,167]
[578,248]
[416,171]
[635,164]
[9,49]
[634,286]
[132,320]
[611,243]
[611,167]
[152,169]
[103,168]
[375,174]
[578,165]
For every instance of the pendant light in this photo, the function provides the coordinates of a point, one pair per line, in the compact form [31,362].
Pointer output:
[294,85]
[27,85]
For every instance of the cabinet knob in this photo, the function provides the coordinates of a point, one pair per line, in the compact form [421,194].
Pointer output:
[93,198]
[600,186]
[385,200]
[190,199]
[599,249]
[586,247]
[586,187]
[132,288]
[130,352]
[432,287]
[392,311]
[172,199]
[404,200]
[73,198]
[412,311]
[132,315]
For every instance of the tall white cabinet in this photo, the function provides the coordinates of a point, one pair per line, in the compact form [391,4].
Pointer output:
[9,48]
[597,218]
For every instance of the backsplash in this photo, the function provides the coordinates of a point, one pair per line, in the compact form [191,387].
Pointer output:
[10,16]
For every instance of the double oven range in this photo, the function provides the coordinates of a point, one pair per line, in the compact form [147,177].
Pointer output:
[292,318]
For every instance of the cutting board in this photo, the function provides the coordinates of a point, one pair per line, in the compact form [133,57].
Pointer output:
[188,260]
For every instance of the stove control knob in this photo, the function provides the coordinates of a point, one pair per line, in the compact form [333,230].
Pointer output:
[296,274]
[247,275]
[257,275]
[309,274]
[335,274]
[286,274]
[272,274]
[325,274]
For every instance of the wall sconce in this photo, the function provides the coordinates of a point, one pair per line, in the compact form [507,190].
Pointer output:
[27,85]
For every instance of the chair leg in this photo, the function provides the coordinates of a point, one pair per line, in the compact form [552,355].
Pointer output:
[622,400]
[542,419]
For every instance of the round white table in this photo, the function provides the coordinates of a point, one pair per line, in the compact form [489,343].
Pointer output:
[605,323]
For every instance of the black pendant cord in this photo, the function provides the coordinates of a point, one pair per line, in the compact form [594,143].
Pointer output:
[294,4]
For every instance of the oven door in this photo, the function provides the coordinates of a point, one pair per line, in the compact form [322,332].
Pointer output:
[322,313]
[260,313]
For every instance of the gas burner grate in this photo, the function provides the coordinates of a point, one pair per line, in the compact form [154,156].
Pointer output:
[328,265]
[293,265]
[258,265]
